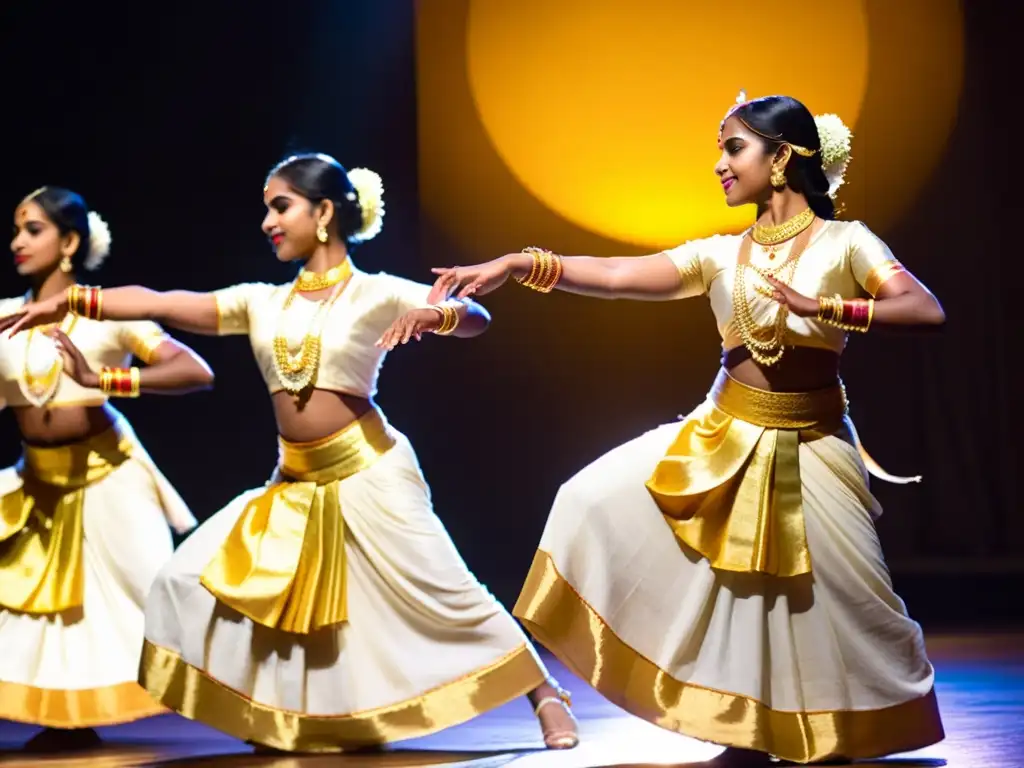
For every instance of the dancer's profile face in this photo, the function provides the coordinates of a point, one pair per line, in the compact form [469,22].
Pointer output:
[745,167]
[291,221]
[37,245]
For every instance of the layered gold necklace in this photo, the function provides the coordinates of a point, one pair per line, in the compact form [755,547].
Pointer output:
[43,366]
[297,372]
[772,236]
[767,344]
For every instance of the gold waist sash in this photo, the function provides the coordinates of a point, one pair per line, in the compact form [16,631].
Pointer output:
[283,564]
[41,528]
[729,485]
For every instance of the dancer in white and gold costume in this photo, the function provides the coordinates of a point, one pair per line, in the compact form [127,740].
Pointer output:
[328,610]
[85,513]
[722,576]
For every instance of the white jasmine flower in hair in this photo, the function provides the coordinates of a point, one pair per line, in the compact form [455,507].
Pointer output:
[835,149]
[99,241]
[370,189]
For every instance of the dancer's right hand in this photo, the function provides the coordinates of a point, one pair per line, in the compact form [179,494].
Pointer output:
[476,280]
[35,313]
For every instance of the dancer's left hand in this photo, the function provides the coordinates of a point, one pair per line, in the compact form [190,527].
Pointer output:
[412,325]
[799,305]
[75,364]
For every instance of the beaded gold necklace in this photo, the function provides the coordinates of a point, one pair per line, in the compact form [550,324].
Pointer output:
[297,372]
[766,345]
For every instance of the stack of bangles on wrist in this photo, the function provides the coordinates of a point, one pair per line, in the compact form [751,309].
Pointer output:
[449,317]
[545,272]
[849,315]
[85,301]
[119,382]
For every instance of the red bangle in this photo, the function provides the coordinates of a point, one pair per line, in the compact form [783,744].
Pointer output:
[856,314]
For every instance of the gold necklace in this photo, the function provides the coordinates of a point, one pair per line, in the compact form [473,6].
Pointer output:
[318,281]
[297,372]
[765,344]
[776,234]
[43,366]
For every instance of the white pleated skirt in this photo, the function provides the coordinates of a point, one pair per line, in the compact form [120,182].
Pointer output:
[425,645]
[808,667]
[79,668]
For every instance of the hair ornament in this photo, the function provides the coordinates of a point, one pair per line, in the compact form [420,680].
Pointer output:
[835,150]
[99,242]
[369,189]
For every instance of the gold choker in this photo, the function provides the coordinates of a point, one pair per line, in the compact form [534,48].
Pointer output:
[318,281]
[774,234]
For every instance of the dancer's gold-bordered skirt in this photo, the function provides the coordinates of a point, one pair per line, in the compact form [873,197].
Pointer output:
[723,578]
[330,610]
[83,532]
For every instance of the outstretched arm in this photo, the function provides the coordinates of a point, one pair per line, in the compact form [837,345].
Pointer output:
[658,277]
[644,278]
[184,310]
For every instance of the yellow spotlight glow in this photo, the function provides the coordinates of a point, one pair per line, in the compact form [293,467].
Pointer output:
[607,112]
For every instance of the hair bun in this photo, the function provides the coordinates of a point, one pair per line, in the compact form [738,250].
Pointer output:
[835,150]
[99,241]
[370,190]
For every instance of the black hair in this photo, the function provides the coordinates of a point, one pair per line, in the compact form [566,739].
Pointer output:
[69,213]
[782,119]
[319,177]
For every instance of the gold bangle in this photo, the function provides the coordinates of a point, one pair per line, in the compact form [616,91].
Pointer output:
[545,272]
[832,311]
[74,299]
[449,318]
[824,308]
[85,301]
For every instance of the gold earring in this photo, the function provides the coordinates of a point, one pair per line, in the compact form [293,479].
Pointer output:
[778,176]
[65,265]
[321,233]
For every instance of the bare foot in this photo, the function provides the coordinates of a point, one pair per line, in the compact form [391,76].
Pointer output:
[552,706]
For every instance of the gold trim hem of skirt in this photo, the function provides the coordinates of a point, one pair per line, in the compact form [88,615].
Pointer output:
[81,708]
[562,620]
[195,694]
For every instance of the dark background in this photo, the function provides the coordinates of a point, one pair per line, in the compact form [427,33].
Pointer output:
[166,119]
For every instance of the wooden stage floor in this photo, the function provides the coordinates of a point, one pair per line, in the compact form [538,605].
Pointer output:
[980,688]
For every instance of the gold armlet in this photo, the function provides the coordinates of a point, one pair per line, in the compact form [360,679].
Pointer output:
[880,275]
[545,272]
[120,382]
[85,301]
[449,317]
[849,315]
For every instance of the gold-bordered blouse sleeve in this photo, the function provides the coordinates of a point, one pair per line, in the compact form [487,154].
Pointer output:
[871,260]
[690,267]
[233,308]
[142,338]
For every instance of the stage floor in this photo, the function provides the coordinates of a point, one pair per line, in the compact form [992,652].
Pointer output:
[980,688]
